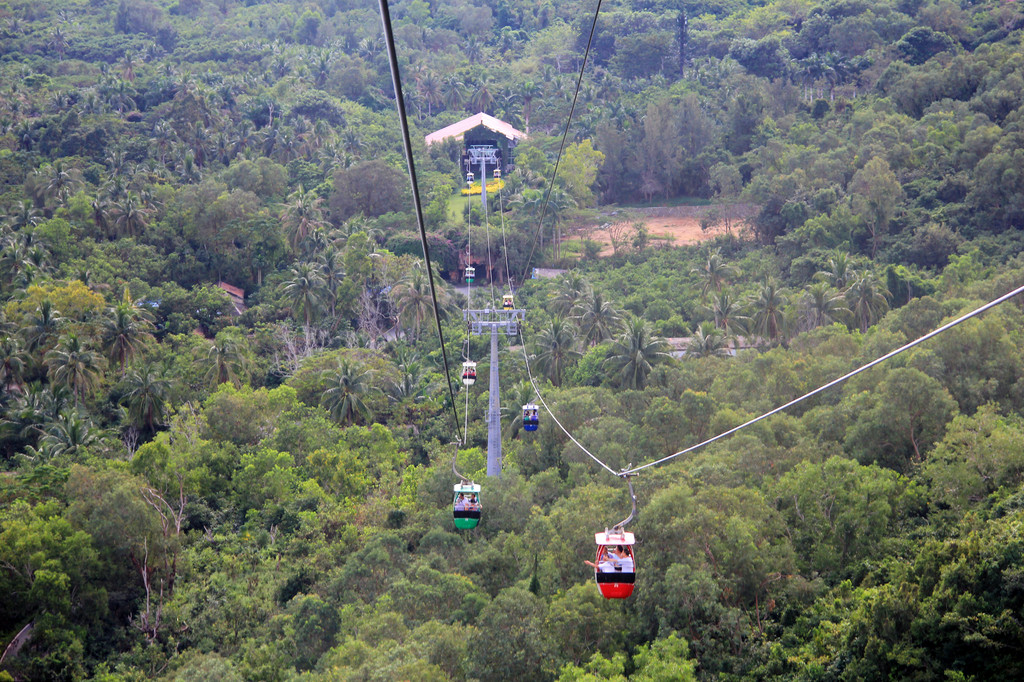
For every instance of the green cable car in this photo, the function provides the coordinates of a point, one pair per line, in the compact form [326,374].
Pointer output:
[466,505]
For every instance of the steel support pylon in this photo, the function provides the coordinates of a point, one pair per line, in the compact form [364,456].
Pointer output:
[494,412]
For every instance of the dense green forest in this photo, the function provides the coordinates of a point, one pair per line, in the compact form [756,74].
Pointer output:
[196,489]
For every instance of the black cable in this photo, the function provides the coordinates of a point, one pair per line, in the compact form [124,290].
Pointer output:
[396,79]
[561,147]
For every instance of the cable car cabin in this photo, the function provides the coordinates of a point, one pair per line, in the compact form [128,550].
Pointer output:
[469,178]
[507,302]
[466,506]
[497,173]
[470,274]
[615,567]
[469,373]
[530,418]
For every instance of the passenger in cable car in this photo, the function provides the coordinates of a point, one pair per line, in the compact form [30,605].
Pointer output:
[472,504]
[460,502]
[614,560]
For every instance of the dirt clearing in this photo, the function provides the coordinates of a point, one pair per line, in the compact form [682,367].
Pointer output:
[673,226]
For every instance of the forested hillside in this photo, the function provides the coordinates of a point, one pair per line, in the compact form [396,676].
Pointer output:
[226,439]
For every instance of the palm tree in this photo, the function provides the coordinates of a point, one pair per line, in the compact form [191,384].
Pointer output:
[430,91]
[305,289]
[67,436]
[729,316]
[130,215]
[42,326]
[635,353]
[768,319]
[556,349]
[821,305]
[528,91]
[301,216]
[74,366]
[452,92]
[868,299]
[12,363]
[483,97]
[60,181]
[145,394]
[707,342]
[226,362]
[715,272]
[839,272]
[332,270]
[58,41]
[413,300]
[346,386]
[572,288]
[125,329]
[23,215]
[598,319]
[412,383]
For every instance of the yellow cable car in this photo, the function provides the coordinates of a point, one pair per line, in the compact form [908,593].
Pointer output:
[507,302]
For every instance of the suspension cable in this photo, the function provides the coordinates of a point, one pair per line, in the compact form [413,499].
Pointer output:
[396,79]
[561,147]
[526,359]
[848,375]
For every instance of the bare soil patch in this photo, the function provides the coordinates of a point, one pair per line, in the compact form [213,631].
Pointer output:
[672,225]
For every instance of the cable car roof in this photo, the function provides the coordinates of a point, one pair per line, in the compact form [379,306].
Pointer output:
[614,538]
[467,488]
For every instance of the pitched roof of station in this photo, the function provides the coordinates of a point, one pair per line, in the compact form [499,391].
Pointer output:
[458,130]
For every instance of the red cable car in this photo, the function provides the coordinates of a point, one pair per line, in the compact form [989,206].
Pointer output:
[615,565]
[469,373]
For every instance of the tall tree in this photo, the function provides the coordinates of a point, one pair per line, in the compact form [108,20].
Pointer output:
[715,272]
[597,318]
[877,195]
[126,328]
[868,299]
[345,388]
[305,290]
[146,392]
[556,349]
[768,320]
[635,352]
[72,365]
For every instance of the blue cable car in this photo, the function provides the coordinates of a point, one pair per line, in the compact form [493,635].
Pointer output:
[530,418]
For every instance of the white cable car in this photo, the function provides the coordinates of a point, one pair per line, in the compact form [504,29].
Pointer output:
[469,373]
[615,565]
[470,274]
[497,173]
[469,178]
[530,418]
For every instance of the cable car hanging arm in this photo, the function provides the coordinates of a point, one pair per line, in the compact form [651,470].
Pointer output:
[632,497]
